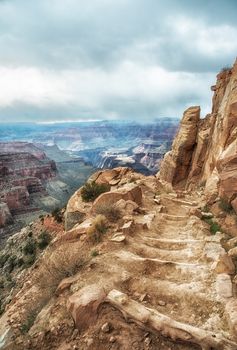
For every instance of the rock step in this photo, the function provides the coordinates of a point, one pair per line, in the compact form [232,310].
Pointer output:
[187,302]
[166,325]
[161,269]
[180,201]
[130,256]
[149,250]
[171,217]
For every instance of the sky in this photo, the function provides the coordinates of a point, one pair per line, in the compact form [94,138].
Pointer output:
[111,59]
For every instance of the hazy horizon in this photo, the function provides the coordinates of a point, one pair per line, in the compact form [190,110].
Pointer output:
[132,59]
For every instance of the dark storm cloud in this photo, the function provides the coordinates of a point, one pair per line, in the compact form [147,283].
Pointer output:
[127,58]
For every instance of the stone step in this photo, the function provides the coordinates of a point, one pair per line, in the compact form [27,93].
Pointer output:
[159,322]
[171,217]
[149,250]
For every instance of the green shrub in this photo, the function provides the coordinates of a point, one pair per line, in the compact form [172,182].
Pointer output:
[3,259]
[91,190]
[110,211]
[29,260]
[57,215]
[225,206]
[25,327]
[94,253]
[20,262]
[30,247]
[214,228]
[206,209]
[11,263]
[44,240]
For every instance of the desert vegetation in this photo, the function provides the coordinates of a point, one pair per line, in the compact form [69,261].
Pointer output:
[91,190]
[97,229]
[110,211]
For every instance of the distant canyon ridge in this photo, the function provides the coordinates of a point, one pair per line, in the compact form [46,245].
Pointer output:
[42,165]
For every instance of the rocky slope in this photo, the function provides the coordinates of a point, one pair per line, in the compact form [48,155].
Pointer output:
[204,151]
[152,277]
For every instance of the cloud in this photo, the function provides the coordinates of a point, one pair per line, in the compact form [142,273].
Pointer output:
[130,89]
[103,58]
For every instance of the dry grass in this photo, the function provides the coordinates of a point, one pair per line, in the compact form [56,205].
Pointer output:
[97,229]
[60,264]
[110,211]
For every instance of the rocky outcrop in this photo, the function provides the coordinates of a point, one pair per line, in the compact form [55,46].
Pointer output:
[204,152]
[176,164]
[24,173]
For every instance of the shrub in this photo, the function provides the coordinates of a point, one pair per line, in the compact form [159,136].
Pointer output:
[206,209]
[3,259]
[57,215]
[225,206]
[91,190]
[110,211]
[214,228]
[44,240]
[30,247]
[25,327]
[60,264]
[29,260]
[97,229]
[94,253]
[11,263]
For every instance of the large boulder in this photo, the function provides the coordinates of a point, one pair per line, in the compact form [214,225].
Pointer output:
[130,192]
[83,305]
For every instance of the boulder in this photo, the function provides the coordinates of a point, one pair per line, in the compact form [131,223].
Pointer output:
[83,305]
[233,252]
[129,192]
[224,264]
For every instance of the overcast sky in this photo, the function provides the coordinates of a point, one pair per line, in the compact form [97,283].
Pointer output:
[128,59]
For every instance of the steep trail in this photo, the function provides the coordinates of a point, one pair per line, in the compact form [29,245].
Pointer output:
[170,269]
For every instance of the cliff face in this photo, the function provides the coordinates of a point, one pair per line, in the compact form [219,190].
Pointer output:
[24,170]
[204,151]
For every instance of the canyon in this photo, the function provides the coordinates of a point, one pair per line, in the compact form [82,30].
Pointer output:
[134,261]
[31,184]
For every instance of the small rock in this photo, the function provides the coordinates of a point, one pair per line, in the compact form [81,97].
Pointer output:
[143,297]
[147,341]
[161,302]
[105,328]
[112,339]
[75,334]
[207,215]
[119,237]
[89,341]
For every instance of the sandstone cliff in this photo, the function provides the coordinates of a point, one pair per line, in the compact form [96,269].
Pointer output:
[204,152]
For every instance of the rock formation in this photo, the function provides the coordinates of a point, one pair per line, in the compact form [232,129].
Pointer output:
[204,151]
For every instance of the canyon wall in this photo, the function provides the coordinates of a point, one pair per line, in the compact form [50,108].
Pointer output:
[204,152]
